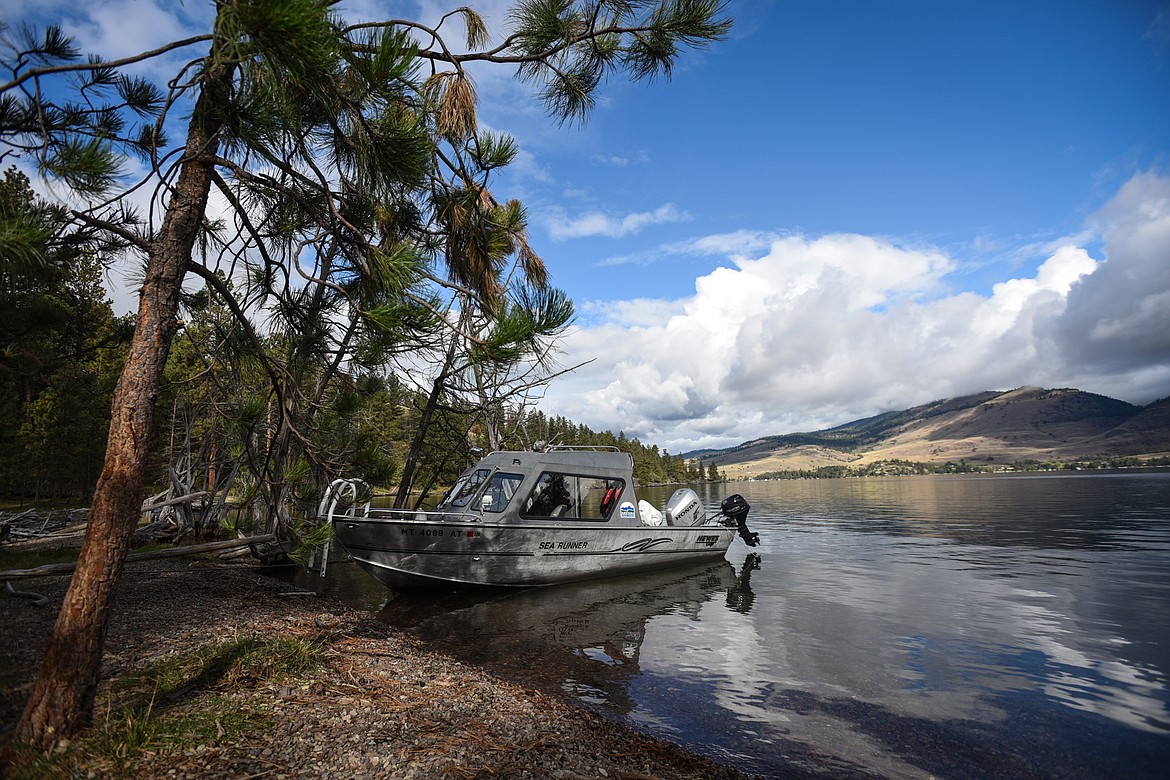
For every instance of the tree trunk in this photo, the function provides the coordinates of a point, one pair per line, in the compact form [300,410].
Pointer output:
[416,444]
[61,702]
[426,414]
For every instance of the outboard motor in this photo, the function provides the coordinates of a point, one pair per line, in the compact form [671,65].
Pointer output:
[685,508]
[735,508]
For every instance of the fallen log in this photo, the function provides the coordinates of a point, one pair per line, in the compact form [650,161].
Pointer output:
[69,536]
[171,552]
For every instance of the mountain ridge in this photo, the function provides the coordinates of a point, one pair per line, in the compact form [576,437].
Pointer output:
[987,428]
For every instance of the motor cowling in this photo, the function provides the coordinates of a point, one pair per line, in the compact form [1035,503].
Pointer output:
[685,508]
[735,508]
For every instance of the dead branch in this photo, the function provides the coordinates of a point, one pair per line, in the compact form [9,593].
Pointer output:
[50,569]
[180,500]
[38,599]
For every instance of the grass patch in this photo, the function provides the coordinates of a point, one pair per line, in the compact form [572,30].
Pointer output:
[177,703]
[119,739]
[28,559]
[240,663]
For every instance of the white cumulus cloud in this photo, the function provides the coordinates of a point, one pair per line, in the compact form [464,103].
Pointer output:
[816,331]
[1117,320]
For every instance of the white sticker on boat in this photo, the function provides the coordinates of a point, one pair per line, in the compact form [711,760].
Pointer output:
[627,509]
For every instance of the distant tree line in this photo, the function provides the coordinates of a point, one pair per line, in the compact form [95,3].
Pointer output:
[1117,462]
[896,467]
[651,465]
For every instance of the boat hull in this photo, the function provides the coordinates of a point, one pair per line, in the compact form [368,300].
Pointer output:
[411,554]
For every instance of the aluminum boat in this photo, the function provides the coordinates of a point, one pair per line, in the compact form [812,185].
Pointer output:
[528,518]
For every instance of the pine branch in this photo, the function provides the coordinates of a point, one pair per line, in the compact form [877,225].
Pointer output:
[49,70]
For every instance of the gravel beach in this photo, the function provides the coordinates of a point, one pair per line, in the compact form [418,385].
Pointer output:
[379,704]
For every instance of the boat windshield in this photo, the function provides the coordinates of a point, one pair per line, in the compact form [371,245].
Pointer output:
[464,489]
[499,491]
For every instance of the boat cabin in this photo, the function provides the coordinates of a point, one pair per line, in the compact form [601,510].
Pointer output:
[590,485]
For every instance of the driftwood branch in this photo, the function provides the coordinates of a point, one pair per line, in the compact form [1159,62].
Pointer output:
[171,552]
[38,599]
[173,501]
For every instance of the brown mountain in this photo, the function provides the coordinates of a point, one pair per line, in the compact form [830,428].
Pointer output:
[1028,423]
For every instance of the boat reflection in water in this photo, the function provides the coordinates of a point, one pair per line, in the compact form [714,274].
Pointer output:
[583,637]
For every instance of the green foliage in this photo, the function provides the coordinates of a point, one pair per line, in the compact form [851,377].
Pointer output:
[312,538]
[289,438]
[27,229]
[559,54]
[494,151]
[81,143]
[60,353]
[87,166]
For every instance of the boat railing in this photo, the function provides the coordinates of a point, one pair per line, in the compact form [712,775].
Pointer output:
[350,491]
[582,448]
[542,447]
[388,513]
[344,497]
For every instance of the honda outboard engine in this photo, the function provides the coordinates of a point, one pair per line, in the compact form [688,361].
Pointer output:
[735,508]
[685,508]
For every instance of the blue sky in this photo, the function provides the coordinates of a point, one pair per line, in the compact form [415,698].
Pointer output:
[973,125]
[847,207]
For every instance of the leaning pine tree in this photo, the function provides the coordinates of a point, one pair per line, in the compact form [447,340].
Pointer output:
[287,109]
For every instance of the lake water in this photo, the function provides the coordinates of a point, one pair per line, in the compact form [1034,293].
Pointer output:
[1014,626]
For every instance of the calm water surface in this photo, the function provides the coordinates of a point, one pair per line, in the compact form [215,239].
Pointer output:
[1014,626]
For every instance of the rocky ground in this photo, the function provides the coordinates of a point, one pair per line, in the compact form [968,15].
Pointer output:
[379,704]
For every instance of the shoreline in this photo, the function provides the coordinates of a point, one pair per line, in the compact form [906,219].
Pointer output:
[379,703]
